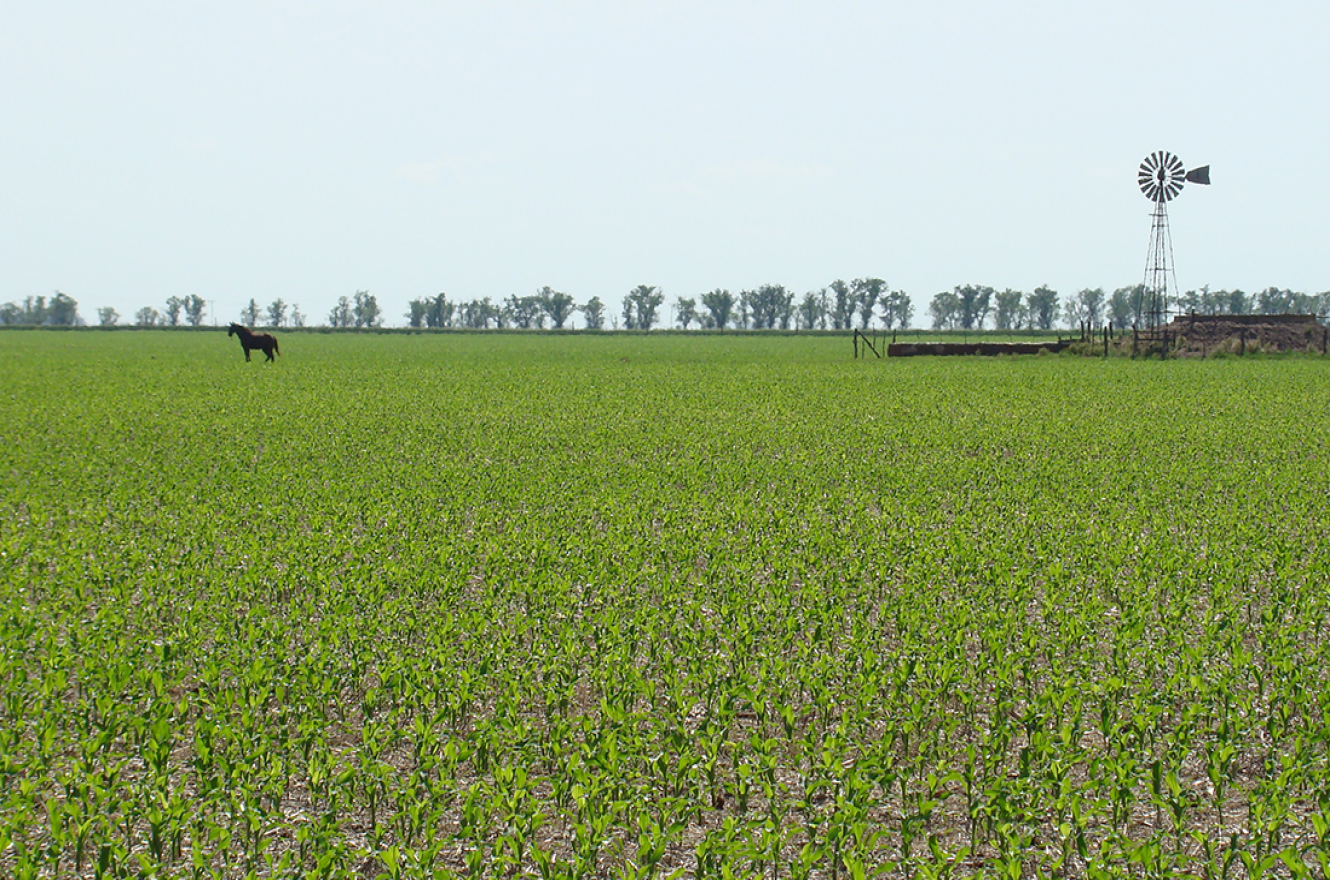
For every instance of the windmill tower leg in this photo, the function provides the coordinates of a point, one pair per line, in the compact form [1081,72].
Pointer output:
[1159,275]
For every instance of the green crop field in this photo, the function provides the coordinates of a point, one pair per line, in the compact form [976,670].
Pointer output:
[628,606]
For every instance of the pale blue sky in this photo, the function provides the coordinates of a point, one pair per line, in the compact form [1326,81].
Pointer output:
[309,149]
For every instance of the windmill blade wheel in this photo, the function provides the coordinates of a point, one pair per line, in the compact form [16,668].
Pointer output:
[1161,176]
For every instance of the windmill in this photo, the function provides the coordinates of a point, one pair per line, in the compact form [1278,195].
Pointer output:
[1161,177]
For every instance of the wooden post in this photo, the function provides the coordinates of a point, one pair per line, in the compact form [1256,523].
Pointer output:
[868,344]
[1106,339]
[1242,342]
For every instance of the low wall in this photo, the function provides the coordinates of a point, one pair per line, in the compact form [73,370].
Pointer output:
[913,349]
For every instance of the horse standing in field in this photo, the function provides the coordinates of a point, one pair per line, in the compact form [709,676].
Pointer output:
[250,340]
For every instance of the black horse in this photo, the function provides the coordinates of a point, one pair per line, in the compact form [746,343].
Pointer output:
[250,340]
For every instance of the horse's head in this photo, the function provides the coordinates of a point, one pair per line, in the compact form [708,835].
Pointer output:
[231,331]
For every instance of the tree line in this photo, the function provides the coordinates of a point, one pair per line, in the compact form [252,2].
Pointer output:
[864,303]
[839,306]
[970,307]
[60,310]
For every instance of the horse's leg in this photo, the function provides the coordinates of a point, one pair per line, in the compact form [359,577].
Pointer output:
[267,349]
[246,347]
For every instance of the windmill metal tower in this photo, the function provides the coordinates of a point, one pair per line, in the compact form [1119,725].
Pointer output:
[1160,177]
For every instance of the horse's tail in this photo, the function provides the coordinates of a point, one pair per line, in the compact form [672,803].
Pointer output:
[275,346]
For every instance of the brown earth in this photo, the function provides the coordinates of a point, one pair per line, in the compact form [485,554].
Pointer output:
[1202,335]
